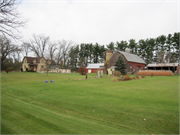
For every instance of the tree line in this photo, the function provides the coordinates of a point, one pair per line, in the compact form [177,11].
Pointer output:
[163,49]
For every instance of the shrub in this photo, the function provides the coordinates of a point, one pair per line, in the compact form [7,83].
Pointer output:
[21,69]
[143,76]
[115,79]
[155,73]
[32,68]
[138,77]
[117,73]
[82,70]
[125,78]
[8,70]
[26,69]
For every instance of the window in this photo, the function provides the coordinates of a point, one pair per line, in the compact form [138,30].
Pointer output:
[25,66]
[34,61]
[42,66]
[42,61]
[25,61]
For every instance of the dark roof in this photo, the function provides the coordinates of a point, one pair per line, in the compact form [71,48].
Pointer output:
[30,60]
[52,62]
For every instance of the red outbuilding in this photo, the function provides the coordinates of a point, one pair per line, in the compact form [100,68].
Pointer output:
[92,68]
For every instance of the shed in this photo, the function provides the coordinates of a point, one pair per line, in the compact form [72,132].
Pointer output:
[91,68]
[111,70]
[174,67]
[64,70]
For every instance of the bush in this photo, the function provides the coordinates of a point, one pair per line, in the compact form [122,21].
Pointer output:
[125,78]
[117,73]
[21,69]
[26,69]
[155,73]
[143,76]
[138,77]
[115,79]
[82,70]
[8,70]
[134,78]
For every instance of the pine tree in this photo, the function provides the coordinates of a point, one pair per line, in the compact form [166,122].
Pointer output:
[120,65]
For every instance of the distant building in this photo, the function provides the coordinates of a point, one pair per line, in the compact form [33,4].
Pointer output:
[174,67]
[92,68]
[133,62]
[38,64]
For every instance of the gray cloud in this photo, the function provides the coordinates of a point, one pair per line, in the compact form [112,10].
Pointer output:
[101,21]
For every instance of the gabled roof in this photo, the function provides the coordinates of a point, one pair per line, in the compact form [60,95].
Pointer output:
[31,59]
[163,65]
[95,65]
[52,62]
[132,57]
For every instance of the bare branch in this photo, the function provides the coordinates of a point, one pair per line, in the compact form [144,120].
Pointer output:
[10,19]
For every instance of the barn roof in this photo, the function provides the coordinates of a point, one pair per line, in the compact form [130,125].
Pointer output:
[163,65]
[95,66]
[132,57]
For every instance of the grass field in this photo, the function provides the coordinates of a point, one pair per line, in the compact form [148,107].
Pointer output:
[93,106]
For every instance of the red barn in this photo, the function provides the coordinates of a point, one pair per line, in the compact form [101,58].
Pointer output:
[133,62]
[91,68]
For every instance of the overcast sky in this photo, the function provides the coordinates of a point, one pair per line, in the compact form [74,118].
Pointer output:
[101,21]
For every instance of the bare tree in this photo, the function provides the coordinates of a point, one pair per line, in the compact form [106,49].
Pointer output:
[10,19]
[38,44]
[16,55]
[58,57]
[51,49]
[26,47]
[161,57]
[63,50]
[6,48]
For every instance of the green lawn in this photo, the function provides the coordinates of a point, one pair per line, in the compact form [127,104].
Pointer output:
[93,106]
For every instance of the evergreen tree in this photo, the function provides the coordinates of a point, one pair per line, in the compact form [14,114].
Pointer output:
[120,65]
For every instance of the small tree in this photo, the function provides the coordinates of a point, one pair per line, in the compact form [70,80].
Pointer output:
[82,70]
[120,65]
[106,65]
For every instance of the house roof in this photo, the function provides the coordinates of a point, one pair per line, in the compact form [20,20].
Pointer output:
[52,62]
[163,65]
[95,66]
[132,57]
[31,59]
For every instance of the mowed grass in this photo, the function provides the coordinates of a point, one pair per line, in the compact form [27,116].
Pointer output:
[93,106]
